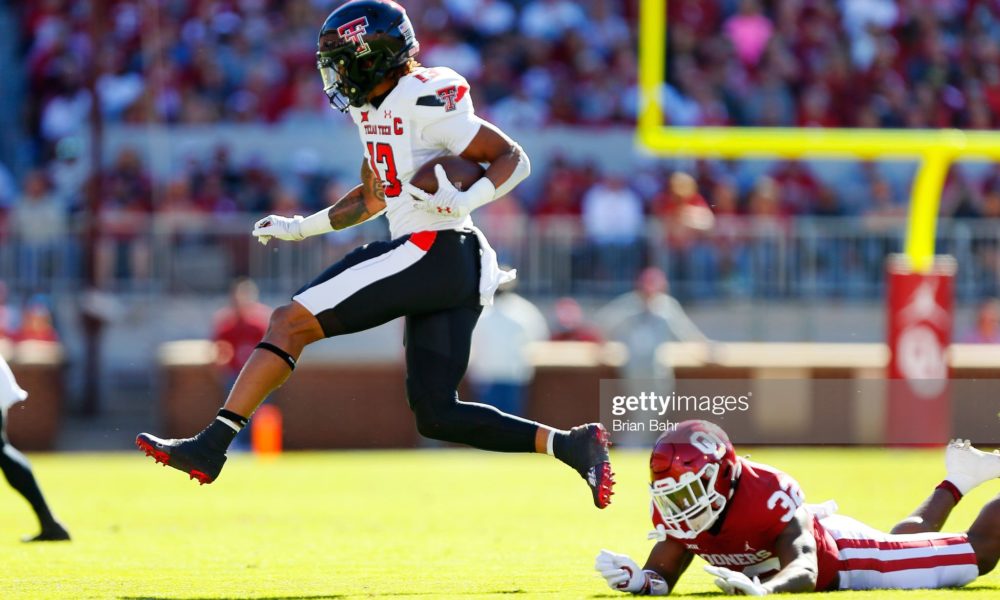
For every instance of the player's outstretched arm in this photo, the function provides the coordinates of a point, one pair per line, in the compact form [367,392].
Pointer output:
[356,206]
[796,549]
[667,561]
[360,204]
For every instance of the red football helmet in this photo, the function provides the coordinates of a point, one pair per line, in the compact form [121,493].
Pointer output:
[692,471]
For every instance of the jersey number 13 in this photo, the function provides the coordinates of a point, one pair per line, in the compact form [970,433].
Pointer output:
[381,153]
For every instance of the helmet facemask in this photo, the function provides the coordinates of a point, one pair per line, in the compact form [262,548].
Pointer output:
[691,505]
[348,79]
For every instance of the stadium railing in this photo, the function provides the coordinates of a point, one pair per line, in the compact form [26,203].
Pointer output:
[740,258]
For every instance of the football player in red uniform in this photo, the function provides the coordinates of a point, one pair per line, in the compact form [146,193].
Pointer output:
[749,522]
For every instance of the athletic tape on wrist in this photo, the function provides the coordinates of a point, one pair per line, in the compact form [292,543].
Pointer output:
[951,488]
[655,584]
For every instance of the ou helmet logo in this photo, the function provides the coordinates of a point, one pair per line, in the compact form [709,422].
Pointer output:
[354,32]
[708,444]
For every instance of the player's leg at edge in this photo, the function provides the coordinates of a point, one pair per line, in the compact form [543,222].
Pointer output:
[18,472]
[967,468]
[291,329]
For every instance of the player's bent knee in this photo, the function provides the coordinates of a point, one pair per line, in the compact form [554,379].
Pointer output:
[986,565]
[443,430]
[435,420]
[987,549]
[291,327]
[437,425]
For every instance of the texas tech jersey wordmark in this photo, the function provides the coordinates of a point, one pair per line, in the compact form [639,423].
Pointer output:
[427,115]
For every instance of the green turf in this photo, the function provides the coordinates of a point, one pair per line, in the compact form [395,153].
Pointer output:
[452,524]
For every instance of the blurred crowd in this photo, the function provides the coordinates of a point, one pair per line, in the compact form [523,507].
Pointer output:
[825,63]
[194,62]
[812,63]
[828,63]
[835,63]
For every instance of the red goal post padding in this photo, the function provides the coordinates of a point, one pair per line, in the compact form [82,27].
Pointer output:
[920,316]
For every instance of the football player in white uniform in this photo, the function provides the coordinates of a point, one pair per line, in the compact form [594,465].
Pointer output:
[437,271]
[16,468]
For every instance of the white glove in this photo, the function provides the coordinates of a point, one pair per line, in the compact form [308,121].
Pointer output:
[733,582]
[449,200]
[283,228]
[620,572]
[292,229]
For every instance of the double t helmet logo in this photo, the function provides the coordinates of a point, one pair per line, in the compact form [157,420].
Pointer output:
[354,32]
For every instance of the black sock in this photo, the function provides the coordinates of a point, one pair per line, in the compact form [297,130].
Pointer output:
[221,431]
[560,446]
[17,470]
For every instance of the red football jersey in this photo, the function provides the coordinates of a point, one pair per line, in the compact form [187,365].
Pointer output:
[763,504]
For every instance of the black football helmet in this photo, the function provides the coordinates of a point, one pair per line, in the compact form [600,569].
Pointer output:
[359,44]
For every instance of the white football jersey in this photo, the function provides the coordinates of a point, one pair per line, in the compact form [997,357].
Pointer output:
[427,115]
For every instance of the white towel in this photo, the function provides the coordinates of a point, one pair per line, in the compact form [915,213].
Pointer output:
[491,276]
[10,392]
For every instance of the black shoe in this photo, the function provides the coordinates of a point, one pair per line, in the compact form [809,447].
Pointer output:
[190,455]
[51,533]
[587,452]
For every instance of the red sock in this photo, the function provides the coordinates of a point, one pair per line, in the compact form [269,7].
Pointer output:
[950,488]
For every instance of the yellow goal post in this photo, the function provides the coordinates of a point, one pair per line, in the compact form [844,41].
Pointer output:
[934,149]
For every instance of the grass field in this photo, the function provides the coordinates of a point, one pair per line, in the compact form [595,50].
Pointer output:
[434,524]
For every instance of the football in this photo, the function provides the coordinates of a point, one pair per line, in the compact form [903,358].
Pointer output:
[462,173]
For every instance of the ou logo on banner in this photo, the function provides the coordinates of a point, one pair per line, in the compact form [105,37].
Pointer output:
[921,360]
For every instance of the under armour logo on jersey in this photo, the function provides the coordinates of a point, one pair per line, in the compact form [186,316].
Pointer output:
[450,96]
[443,210]
[387,114]
[364,116]
[354,32]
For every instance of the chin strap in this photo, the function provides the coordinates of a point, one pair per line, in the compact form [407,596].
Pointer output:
[659,534]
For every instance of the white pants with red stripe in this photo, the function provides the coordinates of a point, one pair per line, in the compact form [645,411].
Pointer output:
[872,559]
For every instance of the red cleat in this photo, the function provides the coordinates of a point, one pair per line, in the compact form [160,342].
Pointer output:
[588,454]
